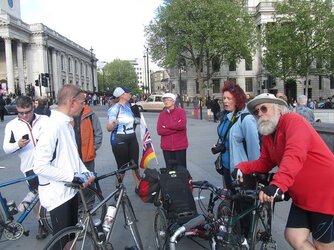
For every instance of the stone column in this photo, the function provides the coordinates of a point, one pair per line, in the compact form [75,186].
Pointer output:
[55,72]
[20,69]
[9,65]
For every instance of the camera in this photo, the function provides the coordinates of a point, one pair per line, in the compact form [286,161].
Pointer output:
[219,148]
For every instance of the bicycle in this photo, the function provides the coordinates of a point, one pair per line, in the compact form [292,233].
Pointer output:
[223,231]
[13,230]
[203,226]
[259,235]
[87,234]
[93,196]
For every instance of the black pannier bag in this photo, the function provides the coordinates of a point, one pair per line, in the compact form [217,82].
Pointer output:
[149,186]
[176,194]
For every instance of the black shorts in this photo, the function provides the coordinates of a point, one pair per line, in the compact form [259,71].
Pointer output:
[321,225]
[65,215]
[32,183]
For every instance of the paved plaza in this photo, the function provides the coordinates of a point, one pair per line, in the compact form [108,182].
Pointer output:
[201,134]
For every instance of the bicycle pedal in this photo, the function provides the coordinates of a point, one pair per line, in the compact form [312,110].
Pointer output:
[108,246]
[26,233]
[270,245]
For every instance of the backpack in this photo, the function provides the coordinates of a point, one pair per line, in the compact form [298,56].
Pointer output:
[149,187]
[176,194]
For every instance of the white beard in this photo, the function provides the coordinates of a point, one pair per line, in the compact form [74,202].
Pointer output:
[267,126]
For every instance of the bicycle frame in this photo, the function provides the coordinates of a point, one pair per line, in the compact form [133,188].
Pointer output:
[88,220]
[3,200]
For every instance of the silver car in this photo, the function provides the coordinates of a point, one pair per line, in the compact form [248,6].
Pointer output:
[10,109]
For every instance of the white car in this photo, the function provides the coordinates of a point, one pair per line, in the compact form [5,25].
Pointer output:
[152,103]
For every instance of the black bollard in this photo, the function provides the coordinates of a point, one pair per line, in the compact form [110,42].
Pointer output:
[200,108]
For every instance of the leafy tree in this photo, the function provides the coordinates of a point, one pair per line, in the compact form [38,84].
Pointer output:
[301,35]
[118,73]
[197,32]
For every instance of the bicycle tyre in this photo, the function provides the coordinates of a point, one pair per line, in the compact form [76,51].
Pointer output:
[2,221]
[131,222]
[80,241]
[95,198]
[160,227]
[258,237]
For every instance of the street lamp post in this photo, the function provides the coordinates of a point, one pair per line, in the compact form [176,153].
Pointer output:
[92,60]
[48,78]
[145,73]
[148,72]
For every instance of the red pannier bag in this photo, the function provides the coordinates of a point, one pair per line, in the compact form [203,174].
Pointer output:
[149,186]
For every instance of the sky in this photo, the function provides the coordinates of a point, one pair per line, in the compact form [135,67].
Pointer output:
[113,28]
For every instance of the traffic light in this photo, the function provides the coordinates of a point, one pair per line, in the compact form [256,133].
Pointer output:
[36,83]
[44,79]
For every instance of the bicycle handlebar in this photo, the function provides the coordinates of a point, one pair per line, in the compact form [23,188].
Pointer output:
[241,194]
[128,166]
[198,220]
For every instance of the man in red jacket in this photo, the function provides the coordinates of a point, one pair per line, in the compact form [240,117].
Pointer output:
[172,127]
[305,171]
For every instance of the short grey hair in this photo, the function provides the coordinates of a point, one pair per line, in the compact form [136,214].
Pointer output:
[282,109]
[302,100]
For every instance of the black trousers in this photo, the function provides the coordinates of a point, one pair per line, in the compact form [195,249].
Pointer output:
[175,158]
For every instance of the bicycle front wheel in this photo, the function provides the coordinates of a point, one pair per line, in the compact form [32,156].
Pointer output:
[71,238]
[160,228]
[131,222]
[93,198]
[262,229]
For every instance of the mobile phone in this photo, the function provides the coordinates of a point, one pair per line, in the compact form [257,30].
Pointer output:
[26,137]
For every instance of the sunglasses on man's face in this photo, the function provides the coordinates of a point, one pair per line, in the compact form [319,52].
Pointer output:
[263,109]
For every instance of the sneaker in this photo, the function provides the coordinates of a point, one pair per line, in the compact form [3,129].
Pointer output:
[42,232]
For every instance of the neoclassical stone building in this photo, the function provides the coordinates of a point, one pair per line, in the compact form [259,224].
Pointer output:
[33,53]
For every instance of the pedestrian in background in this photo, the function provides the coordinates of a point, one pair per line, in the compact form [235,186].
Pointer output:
[123,138]
[21,136]
[303,110]
[305,170]
[196,104]
[215,108]
[2,108]
[56,160]
[41,106]
[172,128]
[208,104]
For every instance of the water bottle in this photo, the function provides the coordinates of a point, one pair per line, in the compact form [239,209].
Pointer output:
[12,207]
[26,201]
[108,220]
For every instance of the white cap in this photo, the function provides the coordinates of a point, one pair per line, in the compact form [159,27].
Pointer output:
[120,91]
[169,95]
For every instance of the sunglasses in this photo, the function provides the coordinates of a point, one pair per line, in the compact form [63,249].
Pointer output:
[24,113]
[263,109]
